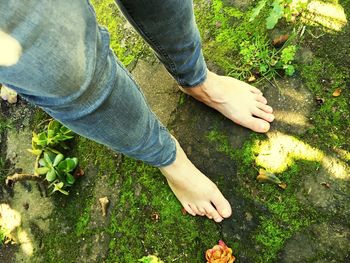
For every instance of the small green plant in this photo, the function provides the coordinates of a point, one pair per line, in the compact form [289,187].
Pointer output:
[259,58]
[288,9]
[5,124]
[57,168]
[287,57]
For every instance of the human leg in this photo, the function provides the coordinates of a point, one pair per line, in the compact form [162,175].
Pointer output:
[170,28]
[61,61]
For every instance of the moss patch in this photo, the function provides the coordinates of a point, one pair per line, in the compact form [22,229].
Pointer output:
[148,219]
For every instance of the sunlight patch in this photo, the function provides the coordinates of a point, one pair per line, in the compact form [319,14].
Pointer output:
[10,223]
[10,50]
[279,152]
[329,15]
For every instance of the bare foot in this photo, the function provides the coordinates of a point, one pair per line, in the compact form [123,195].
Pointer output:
[197,194]
[238,101]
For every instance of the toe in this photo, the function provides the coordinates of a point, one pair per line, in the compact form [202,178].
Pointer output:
[255,124]
[265,107]
[212,213]
[201,211]
[189,209]
[194,209]
[255,90]
[263,115]
[222,205]
[261,99]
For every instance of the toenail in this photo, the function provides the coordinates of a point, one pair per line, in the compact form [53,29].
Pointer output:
[225,212]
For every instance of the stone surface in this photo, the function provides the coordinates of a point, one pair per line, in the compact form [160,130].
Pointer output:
[18,141]
[319,243]
[159,88]
[292,103]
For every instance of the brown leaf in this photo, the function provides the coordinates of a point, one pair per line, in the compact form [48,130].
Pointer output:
[79,172]
[280,40]
[265,176]
[282,186]
[155,216]
[326,184]
[337,92]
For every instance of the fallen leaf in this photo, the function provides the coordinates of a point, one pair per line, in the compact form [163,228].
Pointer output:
[280,40]
[282,186]
[267,177]
[337,92]
[79,172]
[252,78]
[104,202]
[155,216]
[326,184]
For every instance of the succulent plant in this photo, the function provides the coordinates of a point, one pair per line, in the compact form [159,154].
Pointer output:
[220,253]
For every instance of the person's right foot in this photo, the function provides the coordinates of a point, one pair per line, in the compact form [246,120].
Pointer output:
[197,194]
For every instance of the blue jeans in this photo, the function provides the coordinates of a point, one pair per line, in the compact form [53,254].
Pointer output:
[57,57]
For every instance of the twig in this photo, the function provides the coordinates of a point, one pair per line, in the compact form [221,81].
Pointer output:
[12,179]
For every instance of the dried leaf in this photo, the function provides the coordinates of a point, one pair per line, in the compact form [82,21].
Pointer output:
[268,177]
[252,78]
[282,186]
[79,172]
[104,202]
[326,184]
[337,92]
[280,40]
[155,216]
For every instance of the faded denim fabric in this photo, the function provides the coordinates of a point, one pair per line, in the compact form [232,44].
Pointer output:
[66,67]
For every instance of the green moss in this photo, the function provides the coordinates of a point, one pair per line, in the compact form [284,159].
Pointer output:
[127,45]
[331,117]
[234,43]
[83,221]
[286,215]
[145,194]
[38,118]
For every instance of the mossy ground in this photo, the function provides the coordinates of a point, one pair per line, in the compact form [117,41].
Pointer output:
[146,218]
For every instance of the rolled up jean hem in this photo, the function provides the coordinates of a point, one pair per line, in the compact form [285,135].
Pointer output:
[199,82]
[168,161]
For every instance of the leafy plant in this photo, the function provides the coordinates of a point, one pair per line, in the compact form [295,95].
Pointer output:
[57,169]
[55,135]
[288,9]
[287,57]
[258,57]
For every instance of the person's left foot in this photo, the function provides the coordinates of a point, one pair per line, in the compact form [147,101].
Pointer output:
[238,101]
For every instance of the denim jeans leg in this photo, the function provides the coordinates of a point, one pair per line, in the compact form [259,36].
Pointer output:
[170,29]
[56,56]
